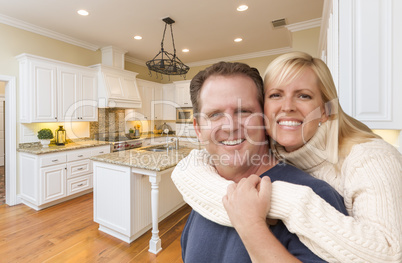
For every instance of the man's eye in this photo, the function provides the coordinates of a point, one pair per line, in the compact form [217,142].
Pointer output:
[215,115]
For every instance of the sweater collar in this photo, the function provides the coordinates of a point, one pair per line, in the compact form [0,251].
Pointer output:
[323,146]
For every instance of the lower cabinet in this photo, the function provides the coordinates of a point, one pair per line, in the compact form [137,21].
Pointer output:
[52,178]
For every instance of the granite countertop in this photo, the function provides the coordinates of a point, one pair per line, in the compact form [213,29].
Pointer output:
[36,147]
[143,159]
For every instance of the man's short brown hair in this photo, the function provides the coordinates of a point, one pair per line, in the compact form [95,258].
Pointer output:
[224,69]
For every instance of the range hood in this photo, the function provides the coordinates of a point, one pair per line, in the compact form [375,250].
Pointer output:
[117,88]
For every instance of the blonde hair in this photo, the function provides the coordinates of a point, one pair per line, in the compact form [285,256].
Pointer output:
[285,68]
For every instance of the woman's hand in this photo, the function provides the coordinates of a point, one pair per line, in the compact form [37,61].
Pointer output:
[248,201]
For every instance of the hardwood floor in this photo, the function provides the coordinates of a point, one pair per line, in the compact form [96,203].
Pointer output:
[67,233]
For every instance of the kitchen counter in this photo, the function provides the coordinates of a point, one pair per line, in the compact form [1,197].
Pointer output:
[37,148]
[143,159]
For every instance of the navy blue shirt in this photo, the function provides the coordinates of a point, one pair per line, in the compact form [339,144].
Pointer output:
[205,241]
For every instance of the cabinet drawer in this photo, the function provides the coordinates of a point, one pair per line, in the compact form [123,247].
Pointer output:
[78,155]
[100,150]
[78,184]
[79,168]
[53,159]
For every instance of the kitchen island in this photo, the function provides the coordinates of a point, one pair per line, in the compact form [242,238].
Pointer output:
[133,191]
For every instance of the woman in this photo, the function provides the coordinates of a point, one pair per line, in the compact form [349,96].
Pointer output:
[313,133]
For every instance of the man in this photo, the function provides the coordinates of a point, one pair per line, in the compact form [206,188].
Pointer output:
[228,119]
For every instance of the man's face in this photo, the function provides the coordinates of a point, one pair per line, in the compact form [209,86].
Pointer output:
[230,122]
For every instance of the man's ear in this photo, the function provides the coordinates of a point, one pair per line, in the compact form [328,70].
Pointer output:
[197,129]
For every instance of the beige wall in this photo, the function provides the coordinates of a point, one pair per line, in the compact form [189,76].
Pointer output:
[307,41]
[15,41]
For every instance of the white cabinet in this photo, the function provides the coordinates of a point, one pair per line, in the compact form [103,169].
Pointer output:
[52,178]
[183,98]
[152,100]
[362,45]
[52,91]
[169,102]
[77,94]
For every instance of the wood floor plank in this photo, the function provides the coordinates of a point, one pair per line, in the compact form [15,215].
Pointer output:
[67,233]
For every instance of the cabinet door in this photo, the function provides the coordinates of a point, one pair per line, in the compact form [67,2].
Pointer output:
[146,95]
[53,182]
[169,104]
[88,101]
[362,42]
[68,93]
[45,92]
[183,94]
[158,103]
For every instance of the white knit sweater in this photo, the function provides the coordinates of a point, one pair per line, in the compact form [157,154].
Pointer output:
[370,181]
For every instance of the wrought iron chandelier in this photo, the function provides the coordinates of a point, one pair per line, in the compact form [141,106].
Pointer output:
[165,62]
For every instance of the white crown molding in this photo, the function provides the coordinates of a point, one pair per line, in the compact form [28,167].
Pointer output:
[265,53]
[304,25]
[134,60]
[46,32]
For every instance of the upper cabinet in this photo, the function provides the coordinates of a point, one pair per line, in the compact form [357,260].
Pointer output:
[169,103]
[53,91]
[183,98]
[152,100]
[361,42]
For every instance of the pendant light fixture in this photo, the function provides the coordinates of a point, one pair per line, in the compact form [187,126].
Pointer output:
[165,62]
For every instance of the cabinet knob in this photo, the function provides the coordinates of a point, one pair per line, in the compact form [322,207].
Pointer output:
[55,160]
[80,155]
[80,168]
[80,184]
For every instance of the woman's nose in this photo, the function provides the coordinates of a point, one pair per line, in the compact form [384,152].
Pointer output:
[288,104]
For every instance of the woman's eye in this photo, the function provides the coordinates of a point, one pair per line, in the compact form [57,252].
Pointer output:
[305,96]
[274,95]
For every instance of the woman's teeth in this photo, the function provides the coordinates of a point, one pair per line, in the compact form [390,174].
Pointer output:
[235,142]
[290,123]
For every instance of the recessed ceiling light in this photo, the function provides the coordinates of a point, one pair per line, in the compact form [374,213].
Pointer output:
[238,39]
[185,50]
[138,37]
[83,12]
[242,8]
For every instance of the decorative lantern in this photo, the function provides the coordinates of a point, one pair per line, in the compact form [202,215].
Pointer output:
[60,136]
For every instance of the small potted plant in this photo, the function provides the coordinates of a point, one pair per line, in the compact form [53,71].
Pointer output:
[131,132]
[44,136]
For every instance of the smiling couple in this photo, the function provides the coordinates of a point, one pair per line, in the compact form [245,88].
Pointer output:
[338,212]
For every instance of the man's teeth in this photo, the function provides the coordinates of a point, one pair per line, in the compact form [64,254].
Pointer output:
[289,123]
[235,142]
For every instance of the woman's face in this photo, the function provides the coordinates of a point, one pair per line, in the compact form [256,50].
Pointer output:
[294,110]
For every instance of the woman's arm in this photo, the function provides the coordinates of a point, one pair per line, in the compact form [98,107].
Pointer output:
[373,192]
[247,204]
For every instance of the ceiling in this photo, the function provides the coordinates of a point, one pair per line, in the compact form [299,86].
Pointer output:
[207,27]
